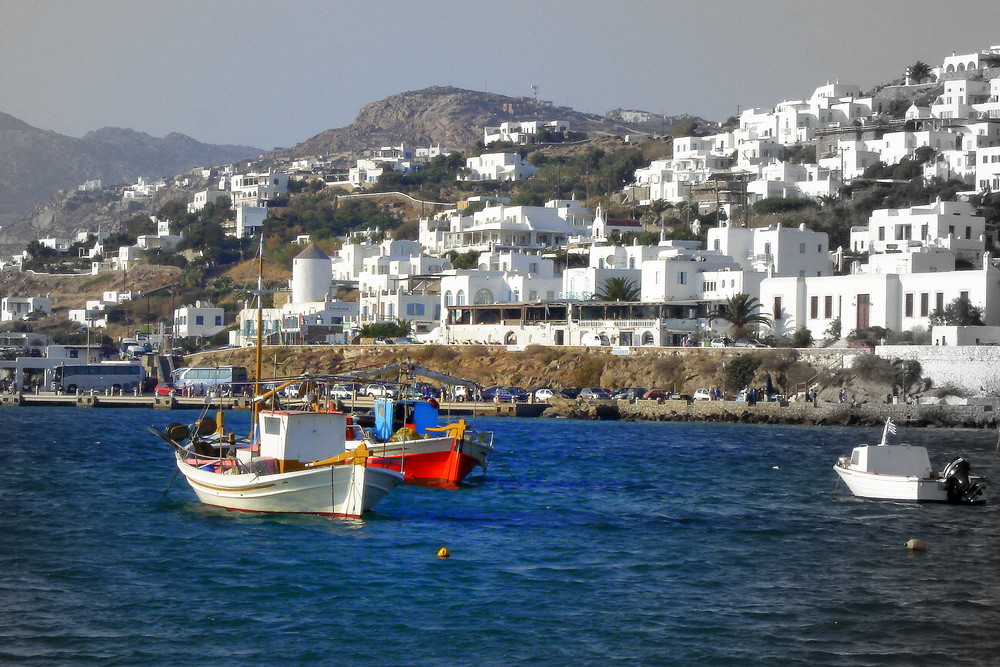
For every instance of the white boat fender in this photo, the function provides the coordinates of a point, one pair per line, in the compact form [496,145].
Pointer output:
[916,545]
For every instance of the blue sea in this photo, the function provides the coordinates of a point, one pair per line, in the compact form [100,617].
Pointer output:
[586,543]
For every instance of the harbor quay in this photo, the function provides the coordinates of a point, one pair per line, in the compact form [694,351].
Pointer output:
[819,413]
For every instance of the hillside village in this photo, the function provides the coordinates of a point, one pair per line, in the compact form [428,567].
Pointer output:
[592,271]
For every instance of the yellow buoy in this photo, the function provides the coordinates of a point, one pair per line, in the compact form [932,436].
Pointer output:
[916,545]
[443,552]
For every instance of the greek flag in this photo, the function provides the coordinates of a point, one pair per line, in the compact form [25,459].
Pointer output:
[890,426]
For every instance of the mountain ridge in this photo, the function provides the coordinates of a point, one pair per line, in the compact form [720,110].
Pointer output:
[36,163]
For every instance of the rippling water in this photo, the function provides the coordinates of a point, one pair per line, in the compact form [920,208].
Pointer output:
[586,543]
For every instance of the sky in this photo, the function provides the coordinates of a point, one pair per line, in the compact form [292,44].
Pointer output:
[273,74]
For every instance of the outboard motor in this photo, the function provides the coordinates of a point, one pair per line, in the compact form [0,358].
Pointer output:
[958,482]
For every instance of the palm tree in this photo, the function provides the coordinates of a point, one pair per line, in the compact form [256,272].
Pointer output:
[618,289]
[740,310]
[919,71]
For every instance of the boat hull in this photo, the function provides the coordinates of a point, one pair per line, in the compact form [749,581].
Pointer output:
[900,488]
[342,490]
[431,461]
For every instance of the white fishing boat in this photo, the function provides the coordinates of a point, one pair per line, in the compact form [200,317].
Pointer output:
[903,473]
[297,465]
[292,460]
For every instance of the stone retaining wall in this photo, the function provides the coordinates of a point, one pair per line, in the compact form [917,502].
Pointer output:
[975,369]
[968,416]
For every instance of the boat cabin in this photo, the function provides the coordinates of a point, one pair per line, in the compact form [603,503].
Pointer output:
[892,460]
[297,437]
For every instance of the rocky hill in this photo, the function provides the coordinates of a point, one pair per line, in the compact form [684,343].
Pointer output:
[454,118]
[35,163]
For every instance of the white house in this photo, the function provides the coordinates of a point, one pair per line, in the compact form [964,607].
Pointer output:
[203,198]
[255,189]
[250,220]
[522,132]
[512,227]
[951,225]
[14,308]
[497,167]
[777,250]
[200,319]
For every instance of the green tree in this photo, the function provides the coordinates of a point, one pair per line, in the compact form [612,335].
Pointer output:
[685,128]
[802,338]
[960,312]
[740,310]
[618,289]
[740,371]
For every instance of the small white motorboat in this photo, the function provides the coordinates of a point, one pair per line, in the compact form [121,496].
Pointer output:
[903,473]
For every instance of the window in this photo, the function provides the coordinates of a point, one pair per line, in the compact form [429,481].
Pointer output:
[199,320]
[777,307]
[802,248]
[968,232]
[448,298]
[814,307]
[939,301]
[682,278]
[218,320]
[460,298]
[828,307]
[924,300]
[881,233]
[908,306]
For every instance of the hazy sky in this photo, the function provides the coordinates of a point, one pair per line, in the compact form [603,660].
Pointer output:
[276,73]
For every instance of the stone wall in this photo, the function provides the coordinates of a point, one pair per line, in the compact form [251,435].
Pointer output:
[975,369]
[832,414]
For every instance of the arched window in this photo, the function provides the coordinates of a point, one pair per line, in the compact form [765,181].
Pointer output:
[631,262]
[460,298]
[510,338]
[484,296]
[600,263]
[448,298]
[961,67]
[647,338]
[767,248]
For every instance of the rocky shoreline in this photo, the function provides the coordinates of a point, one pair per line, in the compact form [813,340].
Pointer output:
[806,414]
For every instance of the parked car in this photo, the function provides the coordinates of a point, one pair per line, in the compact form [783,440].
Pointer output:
[594,394]
[656,395]
[719,342]
[748,342]
[166,389]
[860,345]
[342,391]
[380,391]
[407,340]
[543,393]
[629,394]
[569,392]
[427,391]
[382,340]
[505,394]
[702,394]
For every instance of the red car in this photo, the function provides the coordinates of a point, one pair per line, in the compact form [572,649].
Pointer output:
[656,394]
[166,389]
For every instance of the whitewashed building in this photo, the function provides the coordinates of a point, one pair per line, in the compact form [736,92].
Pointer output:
[497,167]
[13,308]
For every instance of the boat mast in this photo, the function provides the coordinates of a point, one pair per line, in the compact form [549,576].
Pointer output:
[259,363]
